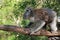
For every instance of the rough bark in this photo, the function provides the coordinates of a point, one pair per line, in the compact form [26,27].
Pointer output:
[12,28]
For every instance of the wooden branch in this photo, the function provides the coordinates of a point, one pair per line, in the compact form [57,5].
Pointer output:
[26,31]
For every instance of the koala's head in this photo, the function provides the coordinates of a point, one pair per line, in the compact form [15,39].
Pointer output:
[29,14]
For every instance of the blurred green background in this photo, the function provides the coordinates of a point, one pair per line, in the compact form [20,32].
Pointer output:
[11,13]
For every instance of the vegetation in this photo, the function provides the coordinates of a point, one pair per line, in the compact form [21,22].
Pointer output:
[11,13]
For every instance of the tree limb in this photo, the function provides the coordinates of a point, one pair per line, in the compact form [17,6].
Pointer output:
[27,31]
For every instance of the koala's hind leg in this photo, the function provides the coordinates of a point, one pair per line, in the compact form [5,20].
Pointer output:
[53,25]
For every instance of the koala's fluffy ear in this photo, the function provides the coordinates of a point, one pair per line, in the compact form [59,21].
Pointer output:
[29,8]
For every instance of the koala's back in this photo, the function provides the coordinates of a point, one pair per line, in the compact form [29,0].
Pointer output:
[44,14]
[50,11]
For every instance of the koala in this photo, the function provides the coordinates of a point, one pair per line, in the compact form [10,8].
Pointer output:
[40,17]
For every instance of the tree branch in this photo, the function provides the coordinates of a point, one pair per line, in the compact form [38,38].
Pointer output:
[27,31]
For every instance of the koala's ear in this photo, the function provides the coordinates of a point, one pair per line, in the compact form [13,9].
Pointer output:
[29,8]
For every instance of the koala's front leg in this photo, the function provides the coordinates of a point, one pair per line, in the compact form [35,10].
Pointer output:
[38,26]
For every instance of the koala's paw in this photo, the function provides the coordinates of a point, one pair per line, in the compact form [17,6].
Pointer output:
[54,32]
[32,33]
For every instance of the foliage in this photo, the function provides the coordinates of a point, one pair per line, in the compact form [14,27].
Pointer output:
[11,13]
[52,4]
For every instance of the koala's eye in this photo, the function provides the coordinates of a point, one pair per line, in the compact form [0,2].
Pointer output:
[27,10]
